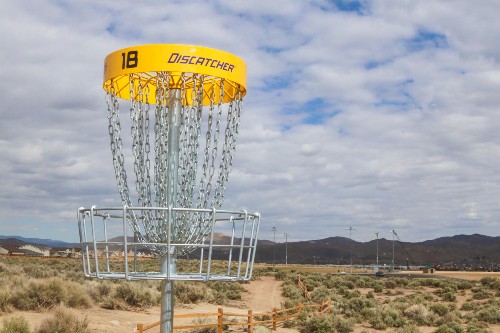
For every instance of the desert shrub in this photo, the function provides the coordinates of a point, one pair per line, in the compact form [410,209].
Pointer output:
[357,304]
[448,297]
[469,306]
[489,314]
[343,325]
[76,296]
[280,275]
[419,314]
[453,327]
[225,291]
[312,281]
[292,292]
[449,318]
[207,329]
[318,324]
[320,294]
[4,301]
[390,284]
[464,285]
[481,294]
[489,281]
[64,322]
[15,325]
[110,303]
[378,287]
[99,290]
[401,282]
[135,296]
[475,326]
[408,328]
[370,295]
[439,309]
[190,293]
[40,295]
[386,316]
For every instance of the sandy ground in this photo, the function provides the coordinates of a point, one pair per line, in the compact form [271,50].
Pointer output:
[262,296]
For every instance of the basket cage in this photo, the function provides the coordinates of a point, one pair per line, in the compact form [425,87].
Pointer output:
[112,249]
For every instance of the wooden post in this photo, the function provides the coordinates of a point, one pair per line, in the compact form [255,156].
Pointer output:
[139,328]
[321,307]
[219,320]
[250,322]
[275,319]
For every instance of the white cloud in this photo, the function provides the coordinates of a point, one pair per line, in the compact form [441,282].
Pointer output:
[380,121]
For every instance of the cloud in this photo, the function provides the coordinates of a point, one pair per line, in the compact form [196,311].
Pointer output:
[358,113]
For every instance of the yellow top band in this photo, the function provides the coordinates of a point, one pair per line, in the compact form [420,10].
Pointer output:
[176,59]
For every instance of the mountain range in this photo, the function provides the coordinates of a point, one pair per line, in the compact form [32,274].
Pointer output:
[460,251]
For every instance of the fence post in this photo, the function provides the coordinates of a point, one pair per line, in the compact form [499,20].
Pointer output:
[250,322]
[321,307]
[275,318]
[138,328]
[219,320]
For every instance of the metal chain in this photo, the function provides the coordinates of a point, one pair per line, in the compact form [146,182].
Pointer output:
[203,158]
[116,143]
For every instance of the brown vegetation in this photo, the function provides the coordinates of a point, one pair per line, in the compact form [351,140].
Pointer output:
[46,295]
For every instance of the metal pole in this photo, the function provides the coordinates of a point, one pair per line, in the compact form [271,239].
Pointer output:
[286,248]
[377,249]
[274,229]
[168,264]
[393,233]
[350,247]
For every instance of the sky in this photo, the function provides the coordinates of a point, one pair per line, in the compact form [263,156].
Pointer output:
[376,115]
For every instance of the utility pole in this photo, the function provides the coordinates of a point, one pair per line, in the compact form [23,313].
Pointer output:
[350,247]
[377,249]
[286,248]
[393,234]
[274,229]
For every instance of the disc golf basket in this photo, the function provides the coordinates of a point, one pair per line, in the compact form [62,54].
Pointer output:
[184,110]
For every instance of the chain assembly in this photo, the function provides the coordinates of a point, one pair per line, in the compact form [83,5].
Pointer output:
[183,163]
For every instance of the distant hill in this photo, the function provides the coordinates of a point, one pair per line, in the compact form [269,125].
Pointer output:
[15,240]
[460,251]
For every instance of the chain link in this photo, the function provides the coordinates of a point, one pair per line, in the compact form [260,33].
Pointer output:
[204,156]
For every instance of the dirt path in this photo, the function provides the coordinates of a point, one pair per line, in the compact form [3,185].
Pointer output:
[263,295]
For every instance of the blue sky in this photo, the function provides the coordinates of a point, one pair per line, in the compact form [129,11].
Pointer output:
[378,115]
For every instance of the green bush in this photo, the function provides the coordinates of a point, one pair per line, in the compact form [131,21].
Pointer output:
[343,325]
[390,284]
[469,306]
[439,309]
[489,314]
[449,328]
[191,293]
[4,301]
[481,294]
[419,314]
[489,281]
[135,296]
[40,295]
[15,325]
[76,296]
[64,322]
[320,294]
[409,328]
[292,292]
[318,324]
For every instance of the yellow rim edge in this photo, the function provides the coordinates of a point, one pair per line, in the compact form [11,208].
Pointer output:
[177,59]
